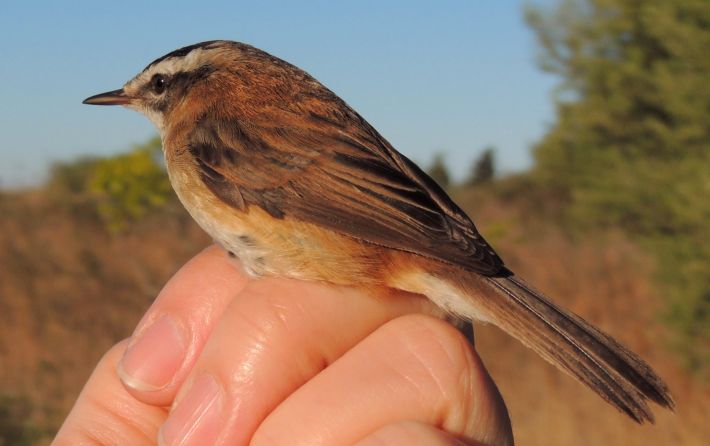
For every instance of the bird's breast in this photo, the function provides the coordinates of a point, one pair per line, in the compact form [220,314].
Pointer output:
[283,247]
[229,227]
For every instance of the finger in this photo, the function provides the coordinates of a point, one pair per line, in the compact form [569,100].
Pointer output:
[411,433]
[277,334]
[414,368]
[106,414]
[170,337]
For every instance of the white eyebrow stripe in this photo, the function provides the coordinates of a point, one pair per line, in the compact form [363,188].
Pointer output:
[173,65]
[190,62]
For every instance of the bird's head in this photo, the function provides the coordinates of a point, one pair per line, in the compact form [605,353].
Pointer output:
[217,76]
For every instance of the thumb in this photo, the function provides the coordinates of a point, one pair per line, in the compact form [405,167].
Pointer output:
[106,413]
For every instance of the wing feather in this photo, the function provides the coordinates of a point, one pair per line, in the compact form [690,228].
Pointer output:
[338,173]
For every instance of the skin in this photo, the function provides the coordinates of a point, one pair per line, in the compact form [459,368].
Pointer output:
[307,364]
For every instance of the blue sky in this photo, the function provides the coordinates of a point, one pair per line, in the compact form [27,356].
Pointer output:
[449,76]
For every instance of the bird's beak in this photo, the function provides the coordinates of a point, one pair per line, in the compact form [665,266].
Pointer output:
[115,97]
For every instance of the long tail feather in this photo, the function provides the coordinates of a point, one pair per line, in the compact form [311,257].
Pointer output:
[567,341]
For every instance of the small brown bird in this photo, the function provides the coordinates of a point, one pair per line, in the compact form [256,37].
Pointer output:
[285,175]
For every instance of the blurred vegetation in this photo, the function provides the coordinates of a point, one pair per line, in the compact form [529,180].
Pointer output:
[16,429]
[631,145]
[483,169]
[127,187]
[438,171]
[117,190]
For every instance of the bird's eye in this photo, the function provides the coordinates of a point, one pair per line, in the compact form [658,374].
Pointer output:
[158,83]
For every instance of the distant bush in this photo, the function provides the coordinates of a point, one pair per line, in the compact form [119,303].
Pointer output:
[438,171]
[128,186]
[72,177]
[68,187]
[483,169]
[117,189]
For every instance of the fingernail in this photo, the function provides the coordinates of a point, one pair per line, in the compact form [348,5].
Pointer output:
[196,418]
[151,362]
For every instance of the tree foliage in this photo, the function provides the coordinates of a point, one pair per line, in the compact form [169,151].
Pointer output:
[483,169]
[438,171]
[116,190]
[71,177]
[128,186]
[631,145]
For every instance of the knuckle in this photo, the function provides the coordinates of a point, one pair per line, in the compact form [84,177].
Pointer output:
[410,433]
[106,418]
[273,308]
[267,437]
[436,351]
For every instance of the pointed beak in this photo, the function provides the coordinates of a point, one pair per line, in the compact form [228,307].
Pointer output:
[115,97]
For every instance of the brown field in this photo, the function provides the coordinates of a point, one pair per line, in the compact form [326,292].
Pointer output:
[68,291]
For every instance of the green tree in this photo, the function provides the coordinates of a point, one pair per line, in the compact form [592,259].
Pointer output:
[483,168]
[128,186]
[438,171]
[631,145]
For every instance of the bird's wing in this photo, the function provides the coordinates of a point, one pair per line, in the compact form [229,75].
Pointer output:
[337,172]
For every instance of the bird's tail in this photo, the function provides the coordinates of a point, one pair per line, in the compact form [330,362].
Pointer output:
[567,341]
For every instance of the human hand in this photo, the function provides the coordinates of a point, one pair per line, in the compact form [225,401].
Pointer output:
[275,361]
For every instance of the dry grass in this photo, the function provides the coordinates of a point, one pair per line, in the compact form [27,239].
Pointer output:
[68,291]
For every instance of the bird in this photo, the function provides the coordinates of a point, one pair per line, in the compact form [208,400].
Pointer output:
[286,176]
